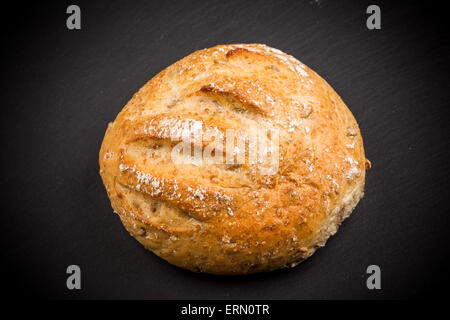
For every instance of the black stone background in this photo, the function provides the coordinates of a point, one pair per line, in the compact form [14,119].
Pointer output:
[60,88]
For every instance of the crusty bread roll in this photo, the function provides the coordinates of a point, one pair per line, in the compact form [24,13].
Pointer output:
[234,219]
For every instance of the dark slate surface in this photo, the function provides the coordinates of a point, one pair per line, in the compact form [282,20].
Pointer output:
[61,88]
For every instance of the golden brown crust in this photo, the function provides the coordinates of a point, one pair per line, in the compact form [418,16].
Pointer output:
[234,219]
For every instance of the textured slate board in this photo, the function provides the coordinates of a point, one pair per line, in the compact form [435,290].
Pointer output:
[61,88]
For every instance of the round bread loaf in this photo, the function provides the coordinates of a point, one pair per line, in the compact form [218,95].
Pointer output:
[244,216]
